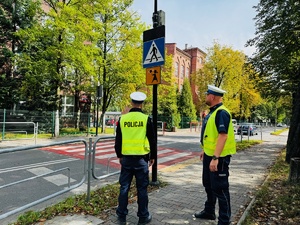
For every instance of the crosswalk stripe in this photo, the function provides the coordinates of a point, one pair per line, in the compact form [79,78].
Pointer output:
[57,179]
[104,145]
[17,168]
[108,153]
[116,160]
[72,148]
[164,151]
[166,158]
[105,156]
[101,152]
[171,157]
[64,147]
[105,153]
[75,150]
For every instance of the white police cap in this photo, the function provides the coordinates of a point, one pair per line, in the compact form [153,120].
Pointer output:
[215,90]
[138,96]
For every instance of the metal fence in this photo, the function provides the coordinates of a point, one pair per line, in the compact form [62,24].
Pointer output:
[185,122]
[19,122]
[80,122]
[89,171]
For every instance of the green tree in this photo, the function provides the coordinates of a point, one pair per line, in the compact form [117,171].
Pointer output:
[185,103]
[81,44]
[249,94]
[167,95]
[264,111]
[14,15]
[120,53]
[201,80]
[229,70]
[57,54]
[277,58]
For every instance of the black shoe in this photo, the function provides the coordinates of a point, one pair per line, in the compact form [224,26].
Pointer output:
[121,220]
[205,215]
[146,220]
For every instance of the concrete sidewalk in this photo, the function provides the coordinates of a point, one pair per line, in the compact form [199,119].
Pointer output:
[177,202]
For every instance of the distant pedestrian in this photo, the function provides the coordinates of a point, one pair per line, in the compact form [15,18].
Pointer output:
[218,142]
[134,136]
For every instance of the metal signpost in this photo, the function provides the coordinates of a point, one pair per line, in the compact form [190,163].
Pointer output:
[153,58]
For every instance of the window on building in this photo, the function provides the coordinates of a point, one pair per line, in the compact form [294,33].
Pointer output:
[201,60]
[187,72]
[68,105]
[176,69]
[182,71]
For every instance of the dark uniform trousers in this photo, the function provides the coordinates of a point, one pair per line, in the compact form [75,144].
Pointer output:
[134,166]
[217,187]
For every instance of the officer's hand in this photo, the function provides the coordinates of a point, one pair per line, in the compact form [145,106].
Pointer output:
[201,155]
[151,162]
[213,166]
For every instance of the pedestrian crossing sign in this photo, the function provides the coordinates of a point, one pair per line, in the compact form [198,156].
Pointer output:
[154,53]
[153,75]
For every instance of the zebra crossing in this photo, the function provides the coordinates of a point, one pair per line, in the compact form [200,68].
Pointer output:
[105,153]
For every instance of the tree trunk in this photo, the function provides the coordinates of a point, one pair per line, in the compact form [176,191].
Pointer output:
[294,175]
[293,143]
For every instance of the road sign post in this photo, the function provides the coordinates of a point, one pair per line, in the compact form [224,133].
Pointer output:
[153,56]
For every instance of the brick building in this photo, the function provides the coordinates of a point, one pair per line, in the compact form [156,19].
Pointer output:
[186,62]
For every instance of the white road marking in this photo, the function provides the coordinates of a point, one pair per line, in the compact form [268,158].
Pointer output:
[34,165]
[57,179]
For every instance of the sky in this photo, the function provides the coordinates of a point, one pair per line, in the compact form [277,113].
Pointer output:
[198,23]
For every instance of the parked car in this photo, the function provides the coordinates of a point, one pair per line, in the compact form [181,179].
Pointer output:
[249,127]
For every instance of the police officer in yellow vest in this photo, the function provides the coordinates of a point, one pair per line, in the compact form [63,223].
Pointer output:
[218,143]
[135,146]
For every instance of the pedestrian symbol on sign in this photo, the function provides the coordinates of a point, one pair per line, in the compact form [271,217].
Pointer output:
[153,52]
[154,72]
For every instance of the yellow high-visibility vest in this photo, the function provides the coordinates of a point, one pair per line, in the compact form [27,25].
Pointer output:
[134,127]
[211,135]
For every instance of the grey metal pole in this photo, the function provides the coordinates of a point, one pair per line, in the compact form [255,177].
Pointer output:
[88,194]
[97,116]
[3,126]
[154,107]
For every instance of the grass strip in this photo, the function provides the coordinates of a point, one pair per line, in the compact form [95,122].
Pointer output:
[277,201]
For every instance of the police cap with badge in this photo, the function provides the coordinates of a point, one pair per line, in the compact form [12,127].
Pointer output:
[138,97]
[211,89]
